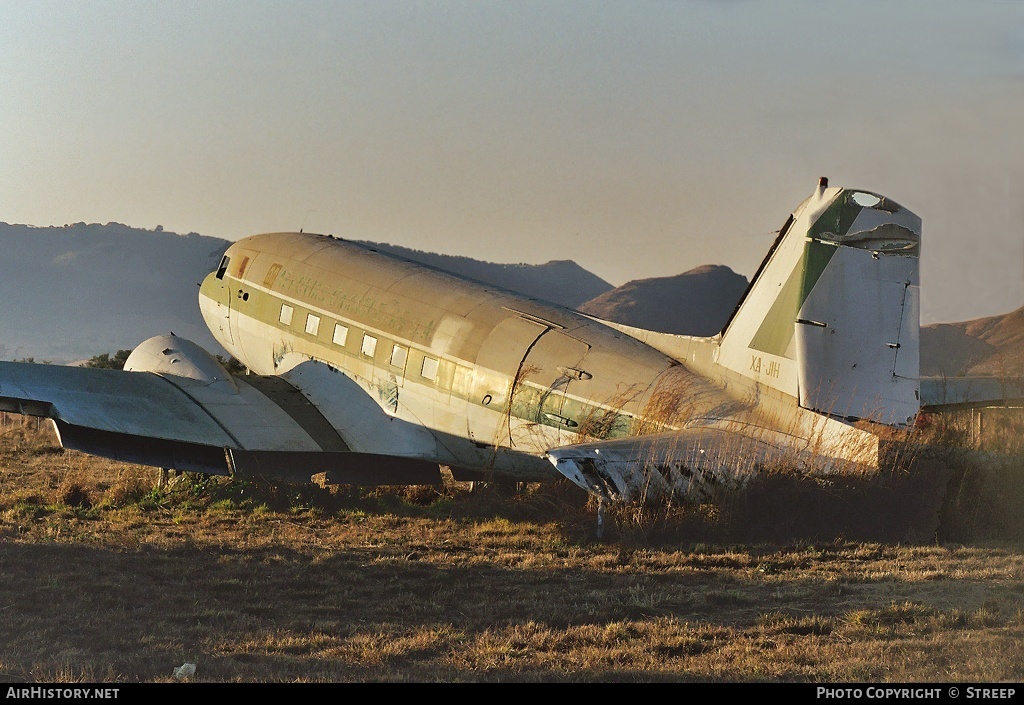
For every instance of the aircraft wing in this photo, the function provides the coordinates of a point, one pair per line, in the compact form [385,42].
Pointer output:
[244,425]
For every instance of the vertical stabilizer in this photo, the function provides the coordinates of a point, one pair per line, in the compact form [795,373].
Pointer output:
[832,317]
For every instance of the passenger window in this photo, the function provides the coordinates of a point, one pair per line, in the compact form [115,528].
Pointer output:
[312,324]
[398,356]
[369,345]
[286,314]
[224,261]
[429,369]
[340,334]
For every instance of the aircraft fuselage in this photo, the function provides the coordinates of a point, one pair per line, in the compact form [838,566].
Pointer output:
[497,377]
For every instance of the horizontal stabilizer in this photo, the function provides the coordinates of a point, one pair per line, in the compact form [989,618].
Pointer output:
[694,463]
[687,465]
[939,393]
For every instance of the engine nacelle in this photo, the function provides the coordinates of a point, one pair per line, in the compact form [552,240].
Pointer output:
[169,354]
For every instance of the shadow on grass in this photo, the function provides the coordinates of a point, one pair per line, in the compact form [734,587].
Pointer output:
[291,613]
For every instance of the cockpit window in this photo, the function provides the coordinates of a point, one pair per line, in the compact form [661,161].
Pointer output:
[223,266]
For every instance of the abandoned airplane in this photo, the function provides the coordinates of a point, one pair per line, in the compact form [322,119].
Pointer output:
[369,369]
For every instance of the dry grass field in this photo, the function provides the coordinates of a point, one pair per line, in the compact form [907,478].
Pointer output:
[917,577]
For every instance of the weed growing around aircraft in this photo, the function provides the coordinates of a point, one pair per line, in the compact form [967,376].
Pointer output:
[938,485]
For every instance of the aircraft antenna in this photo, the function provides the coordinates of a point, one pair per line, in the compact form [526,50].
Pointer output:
[311,210]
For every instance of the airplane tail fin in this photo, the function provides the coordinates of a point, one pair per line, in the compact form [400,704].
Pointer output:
[832,315]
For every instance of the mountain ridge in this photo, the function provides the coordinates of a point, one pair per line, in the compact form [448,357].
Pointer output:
[560,281]
[988,346]
[696,302]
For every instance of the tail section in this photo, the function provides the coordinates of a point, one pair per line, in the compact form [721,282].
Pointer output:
[832,316]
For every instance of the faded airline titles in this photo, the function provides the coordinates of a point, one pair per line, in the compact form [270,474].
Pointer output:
[387,314]
[772,369]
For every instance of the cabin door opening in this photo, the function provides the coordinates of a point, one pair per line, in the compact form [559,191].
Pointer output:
[223,306]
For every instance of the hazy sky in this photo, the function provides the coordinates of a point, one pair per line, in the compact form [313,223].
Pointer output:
[639,139]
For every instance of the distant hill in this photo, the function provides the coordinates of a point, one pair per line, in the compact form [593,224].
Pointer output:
[697,302]
[993,345]
[560,281]
[80,290]
[69,293]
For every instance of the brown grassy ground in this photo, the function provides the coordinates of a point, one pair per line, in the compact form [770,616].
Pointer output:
[107,579]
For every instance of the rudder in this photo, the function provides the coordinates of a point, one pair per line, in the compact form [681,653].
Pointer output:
[832,316]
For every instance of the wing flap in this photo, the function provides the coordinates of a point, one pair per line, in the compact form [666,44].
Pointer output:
[144,450]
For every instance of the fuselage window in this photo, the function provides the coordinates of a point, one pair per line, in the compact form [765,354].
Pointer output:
[429,369]
[286,314]
[224,261]
[340,334]
[369,345]
[312,324]
[398,356]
